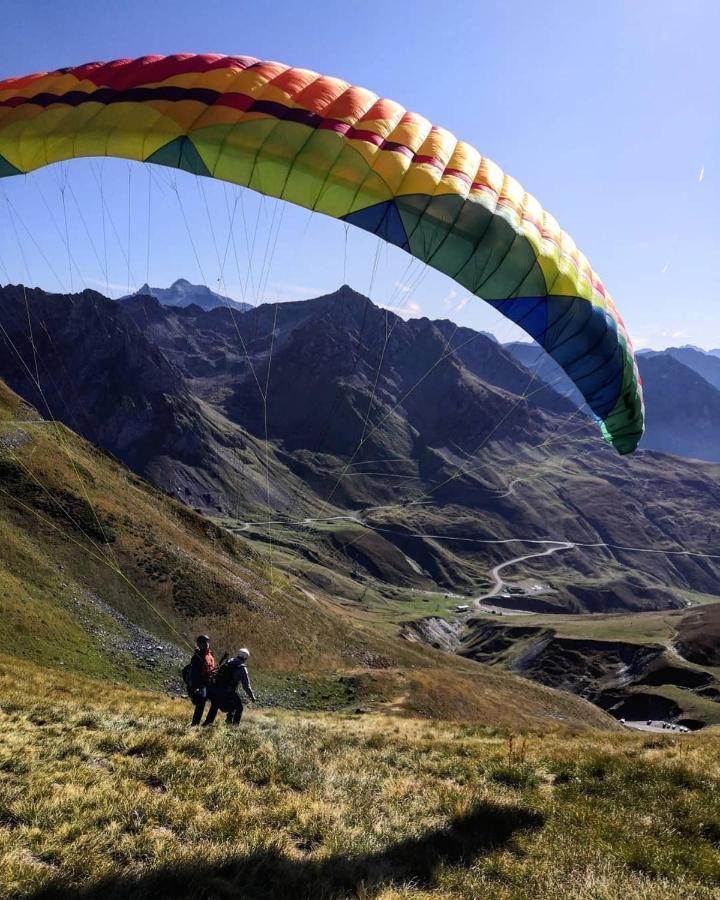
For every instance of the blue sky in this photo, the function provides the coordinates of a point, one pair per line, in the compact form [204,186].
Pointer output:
[609,112]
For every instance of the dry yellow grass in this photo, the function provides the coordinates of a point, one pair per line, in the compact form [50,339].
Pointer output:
[106,793]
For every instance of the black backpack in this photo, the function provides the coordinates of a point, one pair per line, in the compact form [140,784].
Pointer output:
[187,678]
[224,679]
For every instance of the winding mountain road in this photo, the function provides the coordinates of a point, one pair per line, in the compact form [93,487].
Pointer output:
[498,582]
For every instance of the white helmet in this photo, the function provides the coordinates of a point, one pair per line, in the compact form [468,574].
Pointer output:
[243,653]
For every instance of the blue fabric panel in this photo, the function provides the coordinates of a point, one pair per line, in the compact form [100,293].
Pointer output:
[581,337]
[382,219]
[530,313]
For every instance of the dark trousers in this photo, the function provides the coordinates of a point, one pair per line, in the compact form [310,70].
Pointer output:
[234,709]
[200,700]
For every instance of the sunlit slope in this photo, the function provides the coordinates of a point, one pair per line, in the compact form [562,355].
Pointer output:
[105,575]
[107,795]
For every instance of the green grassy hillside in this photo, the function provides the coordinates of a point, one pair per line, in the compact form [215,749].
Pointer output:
[105,794]
[104,575]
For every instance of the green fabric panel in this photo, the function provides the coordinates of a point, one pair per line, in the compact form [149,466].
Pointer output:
[308,176]
[624,425]
[277,156]
[180,154]
[351,185]
[230,151]
[463,239]
[7,169]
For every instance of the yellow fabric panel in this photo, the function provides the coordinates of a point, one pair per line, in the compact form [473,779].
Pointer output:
[363,148]
[184,112]
[52,83]
[411,131]
[509,203]
[438,144]
[218,115]
[392,168]
[351,185]
[421,178]
[532,220]
[215,80]
[488,179]
[38,137]
[253,81]
[464,159]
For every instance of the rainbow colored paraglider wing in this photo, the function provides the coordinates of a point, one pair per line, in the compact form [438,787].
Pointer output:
[340,150]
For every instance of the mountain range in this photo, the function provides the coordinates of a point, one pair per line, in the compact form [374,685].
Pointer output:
[434,435]
[182,293]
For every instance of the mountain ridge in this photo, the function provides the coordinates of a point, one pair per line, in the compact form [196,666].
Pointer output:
[365,411]
[183,293]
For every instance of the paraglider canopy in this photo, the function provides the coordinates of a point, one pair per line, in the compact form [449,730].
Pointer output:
[341,150]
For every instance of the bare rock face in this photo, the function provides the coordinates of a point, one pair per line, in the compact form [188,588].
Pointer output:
[629,680]
[434,631]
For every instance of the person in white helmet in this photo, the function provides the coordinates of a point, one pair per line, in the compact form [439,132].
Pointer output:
[228,678]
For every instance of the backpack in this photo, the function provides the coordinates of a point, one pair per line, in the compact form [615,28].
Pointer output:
[187,678]
[224,679]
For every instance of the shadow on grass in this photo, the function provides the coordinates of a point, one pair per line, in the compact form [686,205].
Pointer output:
[270,874]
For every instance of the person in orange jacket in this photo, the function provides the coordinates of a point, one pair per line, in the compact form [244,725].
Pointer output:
[202,672]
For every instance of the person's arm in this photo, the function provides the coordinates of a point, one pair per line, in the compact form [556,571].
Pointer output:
[245,681]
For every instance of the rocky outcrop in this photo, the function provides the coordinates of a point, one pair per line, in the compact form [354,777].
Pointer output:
[433,630]
[623,678]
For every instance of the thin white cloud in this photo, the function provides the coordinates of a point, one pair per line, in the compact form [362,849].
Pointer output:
[448,299]
[681,332]
[701,176]
[462,304]
[665,268]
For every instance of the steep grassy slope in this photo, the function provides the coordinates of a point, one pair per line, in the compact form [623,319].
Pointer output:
[105,795]
[105,575]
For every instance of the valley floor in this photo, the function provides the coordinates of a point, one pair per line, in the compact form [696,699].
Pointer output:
[106,793]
